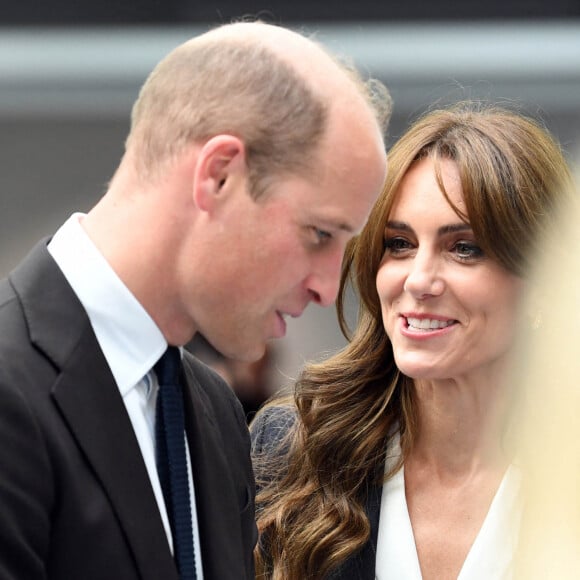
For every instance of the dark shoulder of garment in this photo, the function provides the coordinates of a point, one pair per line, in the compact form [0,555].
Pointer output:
[270,434]
[270,429]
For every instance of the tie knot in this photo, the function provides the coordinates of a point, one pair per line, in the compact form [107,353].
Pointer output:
[167,367]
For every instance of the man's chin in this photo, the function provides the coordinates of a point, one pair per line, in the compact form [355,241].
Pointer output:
[244,353]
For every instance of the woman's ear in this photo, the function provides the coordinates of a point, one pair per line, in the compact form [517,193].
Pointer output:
[220,164]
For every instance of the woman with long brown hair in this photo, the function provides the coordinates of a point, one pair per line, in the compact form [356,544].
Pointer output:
[389,460]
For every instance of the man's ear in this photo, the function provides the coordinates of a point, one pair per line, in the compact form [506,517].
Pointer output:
[220,163]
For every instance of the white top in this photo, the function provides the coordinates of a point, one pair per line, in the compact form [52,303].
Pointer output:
[490,556]
[131,342]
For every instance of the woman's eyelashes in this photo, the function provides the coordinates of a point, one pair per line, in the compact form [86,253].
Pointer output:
[467,250]
[463,250]
[396,245]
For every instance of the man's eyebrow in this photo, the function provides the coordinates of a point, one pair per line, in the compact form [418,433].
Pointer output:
[338,225]
[346,227]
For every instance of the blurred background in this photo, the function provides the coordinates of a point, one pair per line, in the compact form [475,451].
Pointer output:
[70,71]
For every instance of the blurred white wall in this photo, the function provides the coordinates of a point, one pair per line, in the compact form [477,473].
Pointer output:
[66,94]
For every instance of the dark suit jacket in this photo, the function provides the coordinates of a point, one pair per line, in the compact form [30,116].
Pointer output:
[75,498]
[267,430]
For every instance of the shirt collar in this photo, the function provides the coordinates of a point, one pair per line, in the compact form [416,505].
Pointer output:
[129,338]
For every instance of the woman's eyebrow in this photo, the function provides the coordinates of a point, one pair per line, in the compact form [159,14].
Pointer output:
[401,226]
[454,228]
[443,230]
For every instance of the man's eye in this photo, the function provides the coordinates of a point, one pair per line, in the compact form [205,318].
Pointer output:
[322,236]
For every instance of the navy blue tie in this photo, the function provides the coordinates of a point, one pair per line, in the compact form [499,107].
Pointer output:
[172,461]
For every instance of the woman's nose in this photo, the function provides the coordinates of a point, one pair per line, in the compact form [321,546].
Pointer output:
[424,279]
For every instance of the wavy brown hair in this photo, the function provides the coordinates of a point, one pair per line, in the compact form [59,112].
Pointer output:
[310,504]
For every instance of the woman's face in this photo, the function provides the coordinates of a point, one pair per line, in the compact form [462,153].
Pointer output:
[448,309]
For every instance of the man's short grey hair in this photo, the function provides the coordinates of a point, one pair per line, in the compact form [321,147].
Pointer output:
[238,87]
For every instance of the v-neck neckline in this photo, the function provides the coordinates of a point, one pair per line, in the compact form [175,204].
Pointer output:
[490,555]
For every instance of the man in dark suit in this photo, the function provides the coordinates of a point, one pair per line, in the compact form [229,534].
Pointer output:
[253,157]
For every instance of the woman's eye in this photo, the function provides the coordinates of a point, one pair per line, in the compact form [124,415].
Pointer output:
[467,250]
[396,245]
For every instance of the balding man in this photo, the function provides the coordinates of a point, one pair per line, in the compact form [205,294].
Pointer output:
[253,157]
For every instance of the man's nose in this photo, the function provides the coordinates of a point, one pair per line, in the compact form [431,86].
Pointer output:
[324,280]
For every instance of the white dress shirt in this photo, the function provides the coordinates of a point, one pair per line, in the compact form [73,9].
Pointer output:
[131,343]
[489,558]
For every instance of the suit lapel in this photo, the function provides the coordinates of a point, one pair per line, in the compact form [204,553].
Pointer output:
[217,509]
[90,402]
[92,406]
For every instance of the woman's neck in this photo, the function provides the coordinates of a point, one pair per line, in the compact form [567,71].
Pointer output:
[461,426]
